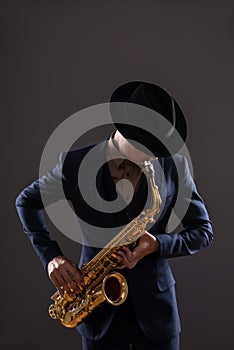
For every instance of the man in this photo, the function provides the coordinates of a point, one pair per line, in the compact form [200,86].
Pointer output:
[149,318]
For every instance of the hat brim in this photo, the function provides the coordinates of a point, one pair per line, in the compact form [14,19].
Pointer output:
[157,147]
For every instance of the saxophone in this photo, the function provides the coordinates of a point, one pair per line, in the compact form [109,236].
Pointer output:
[100,282]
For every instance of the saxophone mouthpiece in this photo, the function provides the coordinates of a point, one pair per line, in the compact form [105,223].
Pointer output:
[147,167]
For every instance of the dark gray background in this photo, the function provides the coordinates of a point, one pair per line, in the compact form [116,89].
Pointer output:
[61,56]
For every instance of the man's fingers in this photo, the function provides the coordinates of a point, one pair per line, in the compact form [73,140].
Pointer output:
[70,275]
[128,252]
[59,282]
[74,273]
[64,275]
[127,258]
[123,257]
[121,267]
[72,286]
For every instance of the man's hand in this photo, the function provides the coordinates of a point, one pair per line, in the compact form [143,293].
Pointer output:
[64,275]
[147,244]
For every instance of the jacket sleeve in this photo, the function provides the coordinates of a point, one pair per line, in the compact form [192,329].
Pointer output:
[29,206]
[197,232]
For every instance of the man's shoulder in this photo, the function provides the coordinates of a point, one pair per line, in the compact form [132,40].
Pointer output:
[71,160]
[174,166]
[76,155]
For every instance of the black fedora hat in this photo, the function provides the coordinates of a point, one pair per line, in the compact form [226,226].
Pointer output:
[167,130]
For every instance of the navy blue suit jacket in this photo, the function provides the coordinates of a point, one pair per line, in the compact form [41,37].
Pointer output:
[151,282]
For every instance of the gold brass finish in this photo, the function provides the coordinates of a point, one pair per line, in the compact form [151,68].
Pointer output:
[101,283]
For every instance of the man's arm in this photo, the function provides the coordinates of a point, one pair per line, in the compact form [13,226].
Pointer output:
[197,231]
[30,207]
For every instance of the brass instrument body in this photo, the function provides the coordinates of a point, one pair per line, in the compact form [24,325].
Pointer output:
[101,282]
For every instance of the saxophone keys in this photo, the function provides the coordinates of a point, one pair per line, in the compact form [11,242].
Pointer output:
[69,297]
[91,274]
[86,280]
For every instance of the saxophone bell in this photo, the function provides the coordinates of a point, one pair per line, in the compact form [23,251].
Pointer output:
[115,288]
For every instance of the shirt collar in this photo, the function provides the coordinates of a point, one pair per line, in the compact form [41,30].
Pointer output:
[113,154]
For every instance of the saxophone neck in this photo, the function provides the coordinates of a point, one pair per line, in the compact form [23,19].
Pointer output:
[148,169]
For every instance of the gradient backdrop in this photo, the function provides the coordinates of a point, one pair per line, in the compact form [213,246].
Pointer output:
[61,56]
